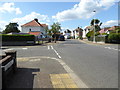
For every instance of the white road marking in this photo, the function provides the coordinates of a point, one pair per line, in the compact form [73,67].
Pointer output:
[106,47]
[48,47]
[24,48]
[76,79]
[112,48]
[52,47]
[35,60]
[109,48]
[72,74]
[17,49]
[56,52]
[115,49]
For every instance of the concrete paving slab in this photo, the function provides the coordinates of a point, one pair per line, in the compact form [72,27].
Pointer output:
[40,73]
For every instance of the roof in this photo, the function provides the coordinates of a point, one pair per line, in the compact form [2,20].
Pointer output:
[35,33]
[113,28]
[103,30]
[33,23]
[44,25]
[89,27]
[78,29]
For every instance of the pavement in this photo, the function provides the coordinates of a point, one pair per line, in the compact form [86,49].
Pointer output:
[41,72]
[96,43]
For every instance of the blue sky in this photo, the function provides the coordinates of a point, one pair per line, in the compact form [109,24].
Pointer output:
[69,14]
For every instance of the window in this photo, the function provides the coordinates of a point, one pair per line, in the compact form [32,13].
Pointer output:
[29,30]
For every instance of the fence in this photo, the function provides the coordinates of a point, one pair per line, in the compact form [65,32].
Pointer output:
[99,38]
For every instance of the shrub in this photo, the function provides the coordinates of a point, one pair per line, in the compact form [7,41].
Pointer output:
[89,34]
[114,38]
[104,34]
[97,33]
[17,37]
[79,37]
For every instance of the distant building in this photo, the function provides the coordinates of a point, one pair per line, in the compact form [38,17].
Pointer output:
[67,34]
[14,33]
[86,30]
[103,30]
[78,32]
[108,30]
[34,26]
[111,29]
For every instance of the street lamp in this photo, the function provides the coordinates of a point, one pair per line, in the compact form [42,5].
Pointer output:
[94,28]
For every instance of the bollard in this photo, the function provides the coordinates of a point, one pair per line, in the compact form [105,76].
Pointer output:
[13,54]
[4,61]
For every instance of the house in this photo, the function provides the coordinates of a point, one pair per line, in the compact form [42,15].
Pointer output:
[14,33]
[103,30]
[34,26]
[86,30]
[111,29]
[67,34]
[108,30]
[78,32]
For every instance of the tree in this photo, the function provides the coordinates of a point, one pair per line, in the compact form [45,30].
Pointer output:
[96,23]
[12,27]
[55,29]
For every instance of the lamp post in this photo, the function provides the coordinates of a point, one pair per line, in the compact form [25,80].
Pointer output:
[94,28]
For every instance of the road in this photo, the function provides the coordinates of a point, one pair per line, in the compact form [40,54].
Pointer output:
[95,65]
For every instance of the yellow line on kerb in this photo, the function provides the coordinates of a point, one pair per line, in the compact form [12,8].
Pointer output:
[62,81]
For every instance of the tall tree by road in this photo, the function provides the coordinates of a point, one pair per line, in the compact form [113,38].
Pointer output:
[11,27]
[55,28]
[96,23]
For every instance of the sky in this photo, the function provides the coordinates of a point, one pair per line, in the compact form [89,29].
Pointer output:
[69,14]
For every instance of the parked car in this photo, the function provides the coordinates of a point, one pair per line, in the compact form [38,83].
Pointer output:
[61,38]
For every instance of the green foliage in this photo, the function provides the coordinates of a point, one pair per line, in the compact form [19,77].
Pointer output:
[55,28]
[79,37]
[94,21]
[17,37]
[114,38]
[104,34]
[12,27]
[97,33]
[71,37]
[96,24]
[90,34]
[117,30]
[49,32]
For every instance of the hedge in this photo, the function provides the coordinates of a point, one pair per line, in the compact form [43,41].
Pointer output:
[111,38]
[114,38]
[17,37]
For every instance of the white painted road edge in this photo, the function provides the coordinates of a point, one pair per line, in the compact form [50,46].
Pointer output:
[48,47]
[76,79]
[56,52]
[112,48]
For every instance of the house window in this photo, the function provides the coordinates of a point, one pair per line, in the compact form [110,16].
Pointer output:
[29,30]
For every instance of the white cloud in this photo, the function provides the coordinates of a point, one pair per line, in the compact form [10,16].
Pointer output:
[2,25]
[9,7]
[84,9]
[31,16]
[110,23]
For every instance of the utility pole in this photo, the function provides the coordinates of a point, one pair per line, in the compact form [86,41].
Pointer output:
[94,28]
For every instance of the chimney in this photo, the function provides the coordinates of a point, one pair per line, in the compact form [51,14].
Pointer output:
[36,19]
